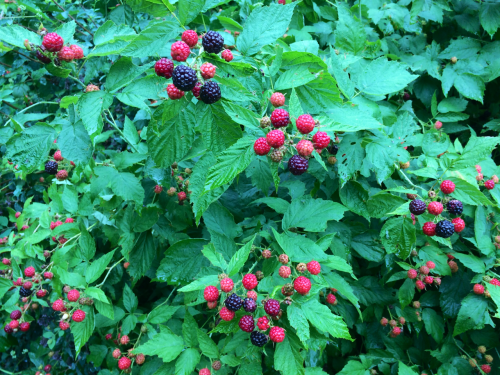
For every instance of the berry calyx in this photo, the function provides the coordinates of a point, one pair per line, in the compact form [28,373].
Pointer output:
[190,37]
[314,267]
[447,187]
[211,294]
[226,285]
[275,138]
[164,67]
[459,224]
[180,51]
[478,289]
[207,70]
[249,281]
[78,316]
[280,118]
[52,42]
[227,55]
[246,323]
[305,147]
[261,147]
[429,228]
[277,99]
[302,285]
[435,208]
[305,124]
[321,140]
[226,314]
[277,334]
[412,274]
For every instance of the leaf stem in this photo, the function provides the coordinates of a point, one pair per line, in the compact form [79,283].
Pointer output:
[407,179]
[119,130]
[113,266]
[76,80]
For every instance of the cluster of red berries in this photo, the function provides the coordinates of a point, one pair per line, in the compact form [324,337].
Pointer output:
[53,47]
[422,276]
[276,139]
[488,184]
[396,325]
[125,359]
[182,185]
[481,355]
[74,301]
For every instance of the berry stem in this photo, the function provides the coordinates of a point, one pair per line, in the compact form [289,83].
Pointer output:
[31,106]
[76,80]
[119,130]
[110,269]
[70,16]
[406,177]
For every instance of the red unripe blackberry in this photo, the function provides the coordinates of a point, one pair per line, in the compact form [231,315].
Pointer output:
[417,207]
[58,156]
[429,228]
[305,147]
[158,189]
[226,314]
[24,327]
[28,285]
[124,340]
[438,125]
[73,295]
[124,363]
[140,359]
[479,177]
[384,322]
[396,331]
[435,208]
[78,316]
[459,224]
[52,42]
[212,305]
[302,285]
[298,165]
[280,118]
[495,179]
[196,90]
[14,324]
[91,88]
[48,275]
[211,294]
[174,93]
[117,353]
[18,282]
[321,140]
[180,51]
[275,138]
[447,187]
[62,175]
[246,323]
[77,51]
[8,329]
[486,368]
[285,272]
[164,67]
[272,307]
[430,264]
[490,184]
[277,334]
[314,267]
[478,289]
[181,196]
[252,294]
[305,124]
[412,274]
[109,336]
[453,266]
[6,261]
[250,281]
[207,70]
[69,220]
[29,271]
[227,55]
[428,279]
[424,270]
[226,285]
[331,299]
[263,323]
[63,325]
[66,54]
[277,99]
[16,314]
[493,281]
[420,285]
[283,259]
[261,147]
[204,371]
[190,37]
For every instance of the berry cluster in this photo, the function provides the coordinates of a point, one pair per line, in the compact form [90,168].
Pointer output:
[54,50]
[422,276]
[396,326]
[488,184]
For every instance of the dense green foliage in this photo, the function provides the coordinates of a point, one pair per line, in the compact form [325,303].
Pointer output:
[164,196]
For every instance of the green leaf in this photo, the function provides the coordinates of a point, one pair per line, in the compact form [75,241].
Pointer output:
[472,314]
[142,255]
[264,26]
[214,257]
[470,86]
[382,204]
[405,370]
[182,261]
[298,320]
[31,147]
[350,35]
[16,35]
[66,31]
[97,268]
[406,293]
[299,248]
[489,15]
[82,331]
[434,324]
[57,70]
[74,143]
[348,118]
[477,149]
[230,163]
[342,77]
[354,368]
[130,301]
[187,362]
[398,235]
[189,330]
[71,278]
[243,116]
[312,214]
[97,354]
[165,345]
[350,157]
[123,160]
[277,204]
[239,259]
[188,10]
[382,77]
[201,283]
[471,261]
[162,314]
[124,71]
[287,357]
[468,193]
[5,286]
[482,231]
[338,282]
[323,319]
[207,345]
[97,294]
[90,105]
[452,105]
[297,76]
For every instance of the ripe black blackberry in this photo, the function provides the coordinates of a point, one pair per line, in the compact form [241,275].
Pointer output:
[233,302]
[213,42]
[297,165]
[333,149]
[417,207]
[51,167]
[25,292]
[455,207]
[258,338]
[445,229]
[184,78]
[249,305]
[210,92]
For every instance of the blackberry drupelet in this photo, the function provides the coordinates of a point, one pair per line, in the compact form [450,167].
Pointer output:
[298,165]
[184,78]
[51,167]
[445,229]
[25,292]
[258,339]
[210,92]
[234,302]
[213,42]
[455,207]
[417,207]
